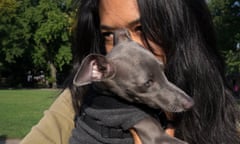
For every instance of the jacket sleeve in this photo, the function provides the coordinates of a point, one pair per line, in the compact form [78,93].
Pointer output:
[56,125]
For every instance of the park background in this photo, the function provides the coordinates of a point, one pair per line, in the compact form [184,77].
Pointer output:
[35,55]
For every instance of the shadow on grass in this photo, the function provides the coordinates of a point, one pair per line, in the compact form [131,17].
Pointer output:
[3,139]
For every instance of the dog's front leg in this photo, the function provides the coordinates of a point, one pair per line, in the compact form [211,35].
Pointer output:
[151,132]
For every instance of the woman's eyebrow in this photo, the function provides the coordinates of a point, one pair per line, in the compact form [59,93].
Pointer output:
[110,28]
[134,22]
[107,28]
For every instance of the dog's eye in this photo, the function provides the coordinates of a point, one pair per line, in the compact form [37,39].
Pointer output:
[148,83]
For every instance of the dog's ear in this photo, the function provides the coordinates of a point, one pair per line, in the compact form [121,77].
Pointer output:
[94,67]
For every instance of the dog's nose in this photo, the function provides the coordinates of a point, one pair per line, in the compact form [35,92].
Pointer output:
[121,35]
[188,104]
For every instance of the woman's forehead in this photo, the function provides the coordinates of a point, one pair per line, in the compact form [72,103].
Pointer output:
[118,13]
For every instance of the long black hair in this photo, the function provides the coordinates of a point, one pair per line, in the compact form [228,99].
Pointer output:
[87,39]
[193,63]
[185,31]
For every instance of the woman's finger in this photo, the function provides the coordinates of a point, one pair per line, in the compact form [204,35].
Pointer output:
[136,138]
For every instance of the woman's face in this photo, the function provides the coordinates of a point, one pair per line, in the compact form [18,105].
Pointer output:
[115,14]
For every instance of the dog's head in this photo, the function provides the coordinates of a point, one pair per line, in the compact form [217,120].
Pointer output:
[134,74]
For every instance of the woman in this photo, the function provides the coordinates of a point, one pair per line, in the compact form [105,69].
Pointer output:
[178,32]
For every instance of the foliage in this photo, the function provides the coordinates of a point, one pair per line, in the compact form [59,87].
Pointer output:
[35,34]
[52,34]
[11,31]
[226,17]
[233,61]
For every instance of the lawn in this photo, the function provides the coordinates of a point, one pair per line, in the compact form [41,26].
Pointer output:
[21,109]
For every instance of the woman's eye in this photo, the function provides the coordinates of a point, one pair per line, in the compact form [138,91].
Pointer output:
[108,36]
[138,28]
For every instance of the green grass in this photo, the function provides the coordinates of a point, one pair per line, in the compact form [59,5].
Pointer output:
[21,109]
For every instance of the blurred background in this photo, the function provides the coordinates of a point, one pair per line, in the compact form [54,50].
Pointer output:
[226,18]
[35,42]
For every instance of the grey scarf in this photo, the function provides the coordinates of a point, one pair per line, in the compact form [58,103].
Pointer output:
[106,109]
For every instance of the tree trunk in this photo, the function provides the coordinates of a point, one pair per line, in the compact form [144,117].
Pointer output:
[53,72]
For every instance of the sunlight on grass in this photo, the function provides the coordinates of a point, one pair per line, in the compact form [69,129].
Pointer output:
[21,109]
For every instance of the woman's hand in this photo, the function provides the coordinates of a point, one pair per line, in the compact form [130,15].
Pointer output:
[136,138]
[170,131]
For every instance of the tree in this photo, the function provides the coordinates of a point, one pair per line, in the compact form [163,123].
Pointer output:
[11,30]
[226,17]
[52,36]
[14,39]
[35,34]
[233,61]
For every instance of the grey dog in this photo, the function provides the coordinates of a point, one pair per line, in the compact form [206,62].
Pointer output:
[136,75]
